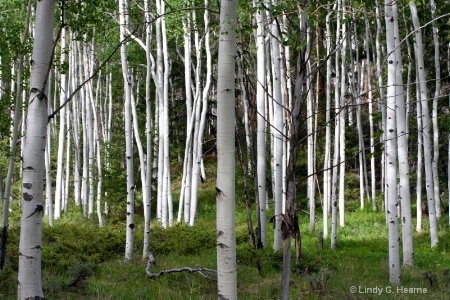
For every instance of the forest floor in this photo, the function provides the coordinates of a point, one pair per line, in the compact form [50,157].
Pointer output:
[83,261]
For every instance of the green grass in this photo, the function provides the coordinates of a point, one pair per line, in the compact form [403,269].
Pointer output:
[76,247]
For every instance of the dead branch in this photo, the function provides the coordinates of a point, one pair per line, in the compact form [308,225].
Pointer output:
[151,261]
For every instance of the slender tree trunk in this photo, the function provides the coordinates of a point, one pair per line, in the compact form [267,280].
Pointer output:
[326,166]
[419,154]
[290,218]
[391,144]
[402,148]
[261,127]
[278,131]
[434,114]
[148,134]
[30,249]
[425,128]
[343,105]
[62,131]
[127,82]
[337,128]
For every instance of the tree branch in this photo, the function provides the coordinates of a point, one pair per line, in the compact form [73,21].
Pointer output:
[151,261]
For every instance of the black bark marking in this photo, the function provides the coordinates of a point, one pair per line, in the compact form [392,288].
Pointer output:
[220,233]
[27,197]
[131,225]
[39,208]
[27,185]
[222,246]
[26,256]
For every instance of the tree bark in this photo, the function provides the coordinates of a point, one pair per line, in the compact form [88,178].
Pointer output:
[225,186]
[30,247]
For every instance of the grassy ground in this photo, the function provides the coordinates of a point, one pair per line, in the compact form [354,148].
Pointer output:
[82,261]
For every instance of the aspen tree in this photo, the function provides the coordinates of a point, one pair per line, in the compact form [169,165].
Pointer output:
[391,144]
[402,152]
[419,155]
[425,128]
[127,82]
[326,166]
[225,187]
[62,123]
[434,114]
[30,249]
[278,130]
[342,113]
[261,127]
[337,128]
[148,132]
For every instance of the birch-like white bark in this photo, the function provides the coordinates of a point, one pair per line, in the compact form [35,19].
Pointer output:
[148,133]
[391,145]
[30,246]
[426,132]
[201,129]
[434,114]
[419,154]
[62,132]
[402,150]
[278,131]
[337,127]
[129,243]
[225,187]
[342,114]
[261,125]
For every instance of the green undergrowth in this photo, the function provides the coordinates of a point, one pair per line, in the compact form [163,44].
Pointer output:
[83,261]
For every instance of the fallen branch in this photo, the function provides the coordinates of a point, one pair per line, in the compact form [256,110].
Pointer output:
[151,262]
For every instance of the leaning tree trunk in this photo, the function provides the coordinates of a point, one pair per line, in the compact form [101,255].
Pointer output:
[30,247]
[225,187]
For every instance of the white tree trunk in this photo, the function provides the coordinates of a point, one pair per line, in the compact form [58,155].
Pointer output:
[129,244]
[62,132]
[310,139]
[30,247]
[278,131]
[148,134]
[419,154]
[425,128]
[337,127]
[342,121]
[434,114]
[167,188]
[201,127]
[391,144]
[261,126]
[402,148]
[89,130]
[326,165]
[225,187]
